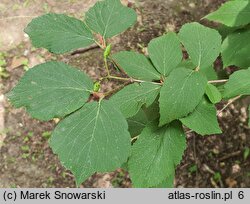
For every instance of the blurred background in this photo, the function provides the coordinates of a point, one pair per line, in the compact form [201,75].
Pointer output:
[25,157]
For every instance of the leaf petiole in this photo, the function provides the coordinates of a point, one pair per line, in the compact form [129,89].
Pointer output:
[131,80]
[106,66]
[218,81]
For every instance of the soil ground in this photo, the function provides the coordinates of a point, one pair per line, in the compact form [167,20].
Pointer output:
[25,157]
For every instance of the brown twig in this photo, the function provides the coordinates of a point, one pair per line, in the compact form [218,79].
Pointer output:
[115,90]
[220,111]
[233,154]
[15,17]
[83,50]
[194,149]
[208,169]
[228,104]
[195,158]
[134,138]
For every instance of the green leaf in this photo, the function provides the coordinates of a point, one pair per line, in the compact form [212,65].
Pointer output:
[93,139]
[232,13]
[168,183]
[209,71]
[165,52]
[136,65]
[187,64]
[59,33]
[145,115]
[246,153]
[137,123]
[156,154]
[180,94]
[153,111]
[238,84]
[213,93]
[52,89]
[225,30]
[203,44]
[110,17]
[203,119]
[235,49]
[131,98]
